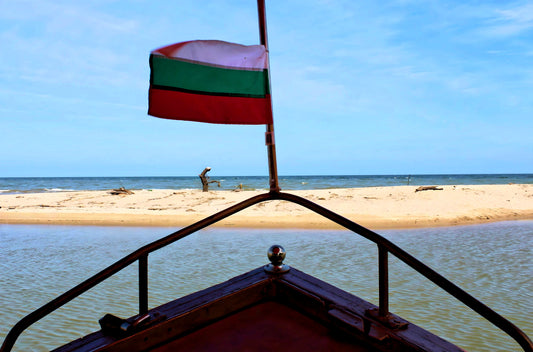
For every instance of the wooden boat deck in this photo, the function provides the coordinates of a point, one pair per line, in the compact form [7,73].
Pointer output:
[269,326]
[264,311]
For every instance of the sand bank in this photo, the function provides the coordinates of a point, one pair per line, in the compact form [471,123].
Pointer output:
[374,207]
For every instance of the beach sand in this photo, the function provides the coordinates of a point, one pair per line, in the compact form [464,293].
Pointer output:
[373,207]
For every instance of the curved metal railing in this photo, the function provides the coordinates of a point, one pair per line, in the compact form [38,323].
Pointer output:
[384,247]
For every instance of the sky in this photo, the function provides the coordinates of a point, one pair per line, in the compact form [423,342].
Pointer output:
[358,88]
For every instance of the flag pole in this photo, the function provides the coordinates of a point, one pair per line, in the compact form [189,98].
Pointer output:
[269,135]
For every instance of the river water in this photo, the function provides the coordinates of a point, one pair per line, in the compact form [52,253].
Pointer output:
[491,261]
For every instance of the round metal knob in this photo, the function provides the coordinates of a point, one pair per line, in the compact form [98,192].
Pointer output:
[276,254]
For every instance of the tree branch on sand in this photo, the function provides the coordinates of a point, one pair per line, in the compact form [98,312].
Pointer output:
[428,188]
[120,191]
[205,180]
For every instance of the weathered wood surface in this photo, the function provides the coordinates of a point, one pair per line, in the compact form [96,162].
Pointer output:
[323,315]
[120,191]
[428,188]
[206,181]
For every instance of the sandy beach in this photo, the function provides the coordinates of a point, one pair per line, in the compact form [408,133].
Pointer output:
[373,207]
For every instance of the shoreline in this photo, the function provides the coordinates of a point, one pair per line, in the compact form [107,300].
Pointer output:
[373,207]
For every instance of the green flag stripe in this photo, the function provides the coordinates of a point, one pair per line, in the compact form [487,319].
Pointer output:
[182,75]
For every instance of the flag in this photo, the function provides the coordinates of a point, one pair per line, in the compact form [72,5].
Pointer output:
[210,81]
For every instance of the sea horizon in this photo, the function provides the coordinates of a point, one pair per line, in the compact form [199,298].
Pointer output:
[287,182]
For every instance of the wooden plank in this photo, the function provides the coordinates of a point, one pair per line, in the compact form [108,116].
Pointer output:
[340,313]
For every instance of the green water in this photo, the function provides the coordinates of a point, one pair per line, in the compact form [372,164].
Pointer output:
[492,262]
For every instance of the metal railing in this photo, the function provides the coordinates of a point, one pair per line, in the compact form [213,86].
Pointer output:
[384,247]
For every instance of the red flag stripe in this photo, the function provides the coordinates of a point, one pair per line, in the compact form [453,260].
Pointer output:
[177,105]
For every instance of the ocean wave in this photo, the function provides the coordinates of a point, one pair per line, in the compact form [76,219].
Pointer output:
[35,190]
[303,182]
[58,190]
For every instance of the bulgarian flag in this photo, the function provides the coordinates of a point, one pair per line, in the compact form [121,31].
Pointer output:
[210,81]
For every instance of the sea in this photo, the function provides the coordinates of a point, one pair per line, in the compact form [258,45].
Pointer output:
[54,184]
[493,262]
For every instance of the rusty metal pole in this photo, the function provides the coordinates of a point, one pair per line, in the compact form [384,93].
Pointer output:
[143,284]
[269,135]
[383,268]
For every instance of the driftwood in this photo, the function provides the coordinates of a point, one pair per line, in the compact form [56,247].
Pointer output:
[205,180]
[428,188]
[120,191]
[238,188]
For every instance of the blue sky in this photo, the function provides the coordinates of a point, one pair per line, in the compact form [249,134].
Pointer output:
[359,87]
